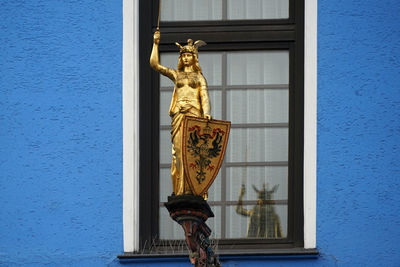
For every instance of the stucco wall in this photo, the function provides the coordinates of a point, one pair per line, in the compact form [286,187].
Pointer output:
[358,221]
[61,135]
[60,132]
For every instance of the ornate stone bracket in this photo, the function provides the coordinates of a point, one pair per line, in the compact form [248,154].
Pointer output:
[191,212]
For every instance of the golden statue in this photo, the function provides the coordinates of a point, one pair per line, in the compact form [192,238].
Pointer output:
[190,97]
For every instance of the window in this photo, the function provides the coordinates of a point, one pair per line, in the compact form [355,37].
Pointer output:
[231,39]
[250,88]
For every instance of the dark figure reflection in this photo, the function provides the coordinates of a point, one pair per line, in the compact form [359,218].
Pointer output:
[264,222]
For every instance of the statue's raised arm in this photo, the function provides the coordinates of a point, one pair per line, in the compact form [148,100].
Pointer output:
[155,61]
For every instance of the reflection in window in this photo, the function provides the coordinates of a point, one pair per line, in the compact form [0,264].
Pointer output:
[196,10]
[251,89]
[239,226]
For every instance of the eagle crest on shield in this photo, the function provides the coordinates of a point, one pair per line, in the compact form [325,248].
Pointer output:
[204,145]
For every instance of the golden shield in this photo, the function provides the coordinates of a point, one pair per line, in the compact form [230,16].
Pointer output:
[203,147]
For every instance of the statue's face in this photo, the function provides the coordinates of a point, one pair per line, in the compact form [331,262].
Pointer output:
[187,59]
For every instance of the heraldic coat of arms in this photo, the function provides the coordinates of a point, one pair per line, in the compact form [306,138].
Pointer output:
[204,145]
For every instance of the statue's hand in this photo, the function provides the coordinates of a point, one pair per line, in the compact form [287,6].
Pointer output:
[157,37]
[207,116]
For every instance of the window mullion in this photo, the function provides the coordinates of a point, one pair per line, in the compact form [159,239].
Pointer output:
[223,167]
[224,9]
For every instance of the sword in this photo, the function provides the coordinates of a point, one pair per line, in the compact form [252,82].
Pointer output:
[159,11]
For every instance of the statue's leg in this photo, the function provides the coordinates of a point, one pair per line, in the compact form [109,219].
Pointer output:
[184,187]
[176,166]
[178,172]
[174,171]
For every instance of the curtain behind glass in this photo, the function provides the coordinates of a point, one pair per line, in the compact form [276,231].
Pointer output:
[211,10]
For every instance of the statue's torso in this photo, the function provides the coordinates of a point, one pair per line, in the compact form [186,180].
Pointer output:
[187,88]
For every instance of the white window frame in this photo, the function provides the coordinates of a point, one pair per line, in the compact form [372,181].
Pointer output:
[131,124]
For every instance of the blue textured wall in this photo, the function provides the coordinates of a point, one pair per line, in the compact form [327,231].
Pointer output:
[359,132]
[61,135]
[60,132]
